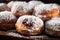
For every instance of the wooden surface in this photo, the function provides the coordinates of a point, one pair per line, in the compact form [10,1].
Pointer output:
[14,35]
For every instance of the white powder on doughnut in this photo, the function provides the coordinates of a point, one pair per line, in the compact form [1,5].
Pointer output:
[54,23]
[34,19]
[7,16]
[3,6]
[44,8]
[21,7]
[10,4]
[35,3]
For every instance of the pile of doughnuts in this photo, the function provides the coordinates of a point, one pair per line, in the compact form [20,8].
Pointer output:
[30,18]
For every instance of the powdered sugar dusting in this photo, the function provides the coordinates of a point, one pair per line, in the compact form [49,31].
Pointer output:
[7,16]
[35,3]
[54,23]
[55,20]
[20,6]
[3,6]
[35,21]
[44,8]
[10,4]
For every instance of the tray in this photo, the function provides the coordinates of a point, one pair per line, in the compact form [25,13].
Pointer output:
[13,33]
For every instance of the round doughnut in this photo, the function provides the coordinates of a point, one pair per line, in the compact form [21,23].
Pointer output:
[52,27]
[46,11]
[21,8]
[7,20]
[29,25]
[3,7]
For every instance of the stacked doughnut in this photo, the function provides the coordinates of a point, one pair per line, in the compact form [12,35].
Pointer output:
[29,25]
[4,7]
[46,11]
[7,20]
[53,26]
[28,17]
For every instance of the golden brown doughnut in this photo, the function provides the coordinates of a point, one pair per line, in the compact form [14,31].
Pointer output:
[29,25]
[7,20]
[46,11]
[21,8]
[3,7]
[52,27]
[11,3]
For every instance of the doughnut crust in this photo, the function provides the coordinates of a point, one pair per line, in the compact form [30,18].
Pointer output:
[46,11]
[52,27]
[3,7]
[21,8]
[7,20]
[29,25]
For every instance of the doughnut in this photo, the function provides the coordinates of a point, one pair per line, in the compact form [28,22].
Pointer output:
[29,25]
[7,20]
[21,8]
[46,11]
[3,7]
[52,26]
